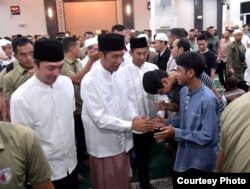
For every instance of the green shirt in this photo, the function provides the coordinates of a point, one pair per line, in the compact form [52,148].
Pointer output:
[70,68]
[13,79]
[233,59]
[21,154]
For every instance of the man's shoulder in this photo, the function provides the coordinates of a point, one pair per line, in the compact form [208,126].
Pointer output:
[17,131]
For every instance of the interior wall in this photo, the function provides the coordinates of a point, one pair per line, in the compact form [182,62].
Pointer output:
[31,20]
[141,15]
[184,13]
[209,17]
[89,16]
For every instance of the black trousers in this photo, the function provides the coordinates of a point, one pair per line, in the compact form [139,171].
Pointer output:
[221,70]
[142,146]
[81,149]
[70,181]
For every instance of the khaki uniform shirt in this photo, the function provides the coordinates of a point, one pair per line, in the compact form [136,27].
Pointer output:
[4,72]
[71,67]
[234,140]
[83,51]
[20,154]
[13,79]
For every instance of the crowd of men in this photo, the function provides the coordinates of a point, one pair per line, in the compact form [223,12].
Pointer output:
[98,101]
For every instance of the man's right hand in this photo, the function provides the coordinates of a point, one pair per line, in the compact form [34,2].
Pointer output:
[143,124]
[94,56]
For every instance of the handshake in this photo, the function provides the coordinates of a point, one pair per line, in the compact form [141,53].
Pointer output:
[157,125]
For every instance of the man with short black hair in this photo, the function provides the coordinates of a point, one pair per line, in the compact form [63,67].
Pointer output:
[143,103]
[18,72]
[46,103]
[196,130]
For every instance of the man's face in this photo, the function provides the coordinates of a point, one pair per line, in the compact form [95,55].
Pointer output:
[202,44]
[191,35]
[171,40]
[47,72]
[212,31]
[92,49]
[226,34]
[176,51]
[7,50]
[159,46]
[111,60]
[76,50]
[25,55]
[139,56]
[238,37]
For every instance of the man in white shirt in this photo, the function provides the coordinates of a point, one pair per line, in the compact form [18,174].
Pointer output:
[6,47]
[92,47]
[161,46]
[46,104]
[144,104]
[109,117]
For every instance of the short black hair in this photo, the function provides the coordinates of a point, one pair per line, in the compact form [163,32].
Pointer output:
[152,80]
[192,60]
[68,42]
[178,32]
[118,27]
[184,43]
[202,37]
[19,42]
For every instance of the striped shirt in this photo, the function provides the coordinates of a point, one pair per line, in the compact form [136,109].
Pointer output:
[174,94]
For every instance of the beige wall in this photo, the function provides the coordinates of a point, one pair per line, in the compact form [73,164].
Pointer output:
[141,15]
[30,21]
[89,16]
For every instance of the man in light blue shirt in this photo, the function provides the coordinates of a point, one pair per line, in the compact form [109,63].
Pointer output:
[196,129]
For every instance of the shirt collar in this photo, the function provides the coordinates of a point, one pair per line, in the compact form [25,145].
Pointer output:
[22,70]
[196,91]
[69,60]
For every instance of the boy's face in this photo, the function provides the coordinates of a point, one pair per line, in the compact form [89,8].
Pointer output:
[168,83]
[202,44]
[182,75]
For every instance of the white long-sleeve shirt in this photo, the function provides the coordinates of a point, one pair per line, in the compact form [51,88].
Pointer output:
[247,71]
[107,114]
[143,102]
[48,110]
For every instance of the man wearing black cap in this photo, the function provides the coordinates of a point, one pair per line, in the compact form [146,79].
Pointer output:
[107,116]
[46,103]
[143,103]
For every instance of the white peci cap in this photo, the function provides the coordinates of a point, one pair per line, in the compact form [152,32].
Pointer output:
[90,42]
[161,37]
[237,31]
[143,35]
[4,42]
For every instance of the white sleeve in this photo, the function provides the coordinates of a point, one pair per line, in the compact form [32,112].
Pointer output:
[20,111]
[247,71]
[96,109]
